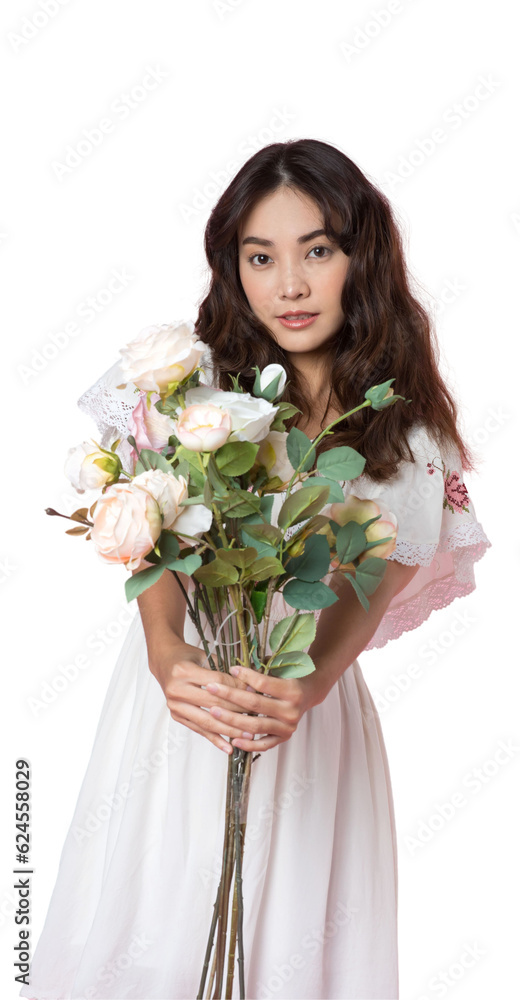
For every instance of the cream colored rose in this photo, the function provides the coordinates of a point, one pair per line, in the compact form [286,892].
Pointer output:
[356,509]
[90,467]
[203,427]
[251,417]
[161,355]
[127,523]
[272,454]
[381,529]
[169,491]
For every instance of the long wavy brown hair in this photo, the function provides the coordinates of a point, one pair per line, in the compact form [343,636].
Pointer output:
[386,333]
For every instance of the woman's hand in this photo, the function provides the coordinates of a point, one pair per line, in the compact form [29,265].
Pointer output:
[181,672]
[279,704]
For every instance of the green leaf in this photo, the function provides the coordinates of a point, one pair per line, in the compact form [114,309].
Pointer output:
[369,573]
[262,548]
[238,557]
[188,501]
[263,568]
[341,463]
[350,541]
[293,632]
[239,503]
[186,565]
[308,596]
[314,562]
[336,493]
[266,506]
[142,580]
[258,600]
[293,664]
[358,590]
[302,504]
[298,445]
[264,532]
[168,543]
[236,457]
[218,483]
[216,573]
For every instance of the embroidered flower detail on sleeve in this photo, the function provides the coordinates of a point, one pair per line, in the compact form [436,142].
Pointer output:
[456,496]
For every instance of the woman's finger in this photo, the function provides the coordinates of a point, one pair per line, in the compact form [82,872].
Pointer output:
[264,743]
[251,723]
[206,721]
[215,739]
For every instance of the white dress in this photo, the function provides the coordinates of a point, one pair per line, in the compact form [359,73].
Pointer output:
[130,912]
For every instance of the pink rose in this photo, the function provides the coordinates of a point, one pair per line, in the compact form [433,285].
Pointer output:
[203,427]
[150,428]
[127,523]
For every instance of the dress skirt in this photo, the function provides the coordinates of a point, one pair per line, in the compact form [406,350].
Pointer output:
[131,909]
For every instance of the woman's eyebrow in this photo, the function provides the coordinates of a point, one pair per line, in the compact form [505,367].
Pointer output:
[269,243]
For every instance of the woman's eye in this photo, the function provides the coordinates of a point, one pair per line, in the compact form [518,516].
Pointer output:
[266,256]
[253,255]
[327,249]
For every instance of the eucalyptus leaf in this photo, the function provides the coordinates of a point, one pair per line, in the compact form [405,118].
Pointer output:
[308,596]
[298,445]
[358,590]
[341,463]
[350,542]
[187,565]
[314,562]
[263,548]
[369,573]
[336,493]
[142,580]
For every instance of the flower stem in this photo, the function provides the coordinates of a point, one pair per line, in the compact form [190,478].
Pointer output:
[323,433]
[218,900]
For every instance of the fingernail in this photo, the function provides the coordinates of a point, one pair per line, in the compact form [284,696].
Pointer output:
[213,688]
[215,711]
[235,671]
[247,736]
[227,748]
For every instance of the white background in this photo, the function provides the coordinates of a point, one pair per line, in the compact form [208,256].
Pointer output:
[233,77]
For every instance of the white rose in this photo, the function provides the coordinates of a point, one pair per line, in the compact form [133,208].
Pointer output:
[251,417]
[169,491]
[89,467]
[269,373]
[160,355]
[126,525]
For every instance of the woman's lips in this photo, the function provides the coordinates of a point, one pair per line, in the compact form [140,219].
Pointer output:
[297,322]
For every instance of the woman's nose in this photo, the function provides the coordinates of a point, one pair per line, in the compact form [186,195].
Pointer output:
[292,283]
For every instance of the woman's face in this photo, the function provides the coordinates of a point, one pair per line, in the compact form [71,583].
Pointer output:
[287,264]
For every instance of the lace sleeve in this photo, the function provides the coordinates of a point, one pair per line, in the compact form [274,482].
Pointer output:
[111,407]
[438,530]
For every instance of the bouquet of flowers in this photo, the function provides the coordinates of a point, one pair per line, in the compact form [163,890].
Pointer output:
[197,501]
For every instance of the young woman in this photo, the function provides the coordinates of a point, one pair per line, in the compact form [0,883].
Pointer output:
[307,270]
